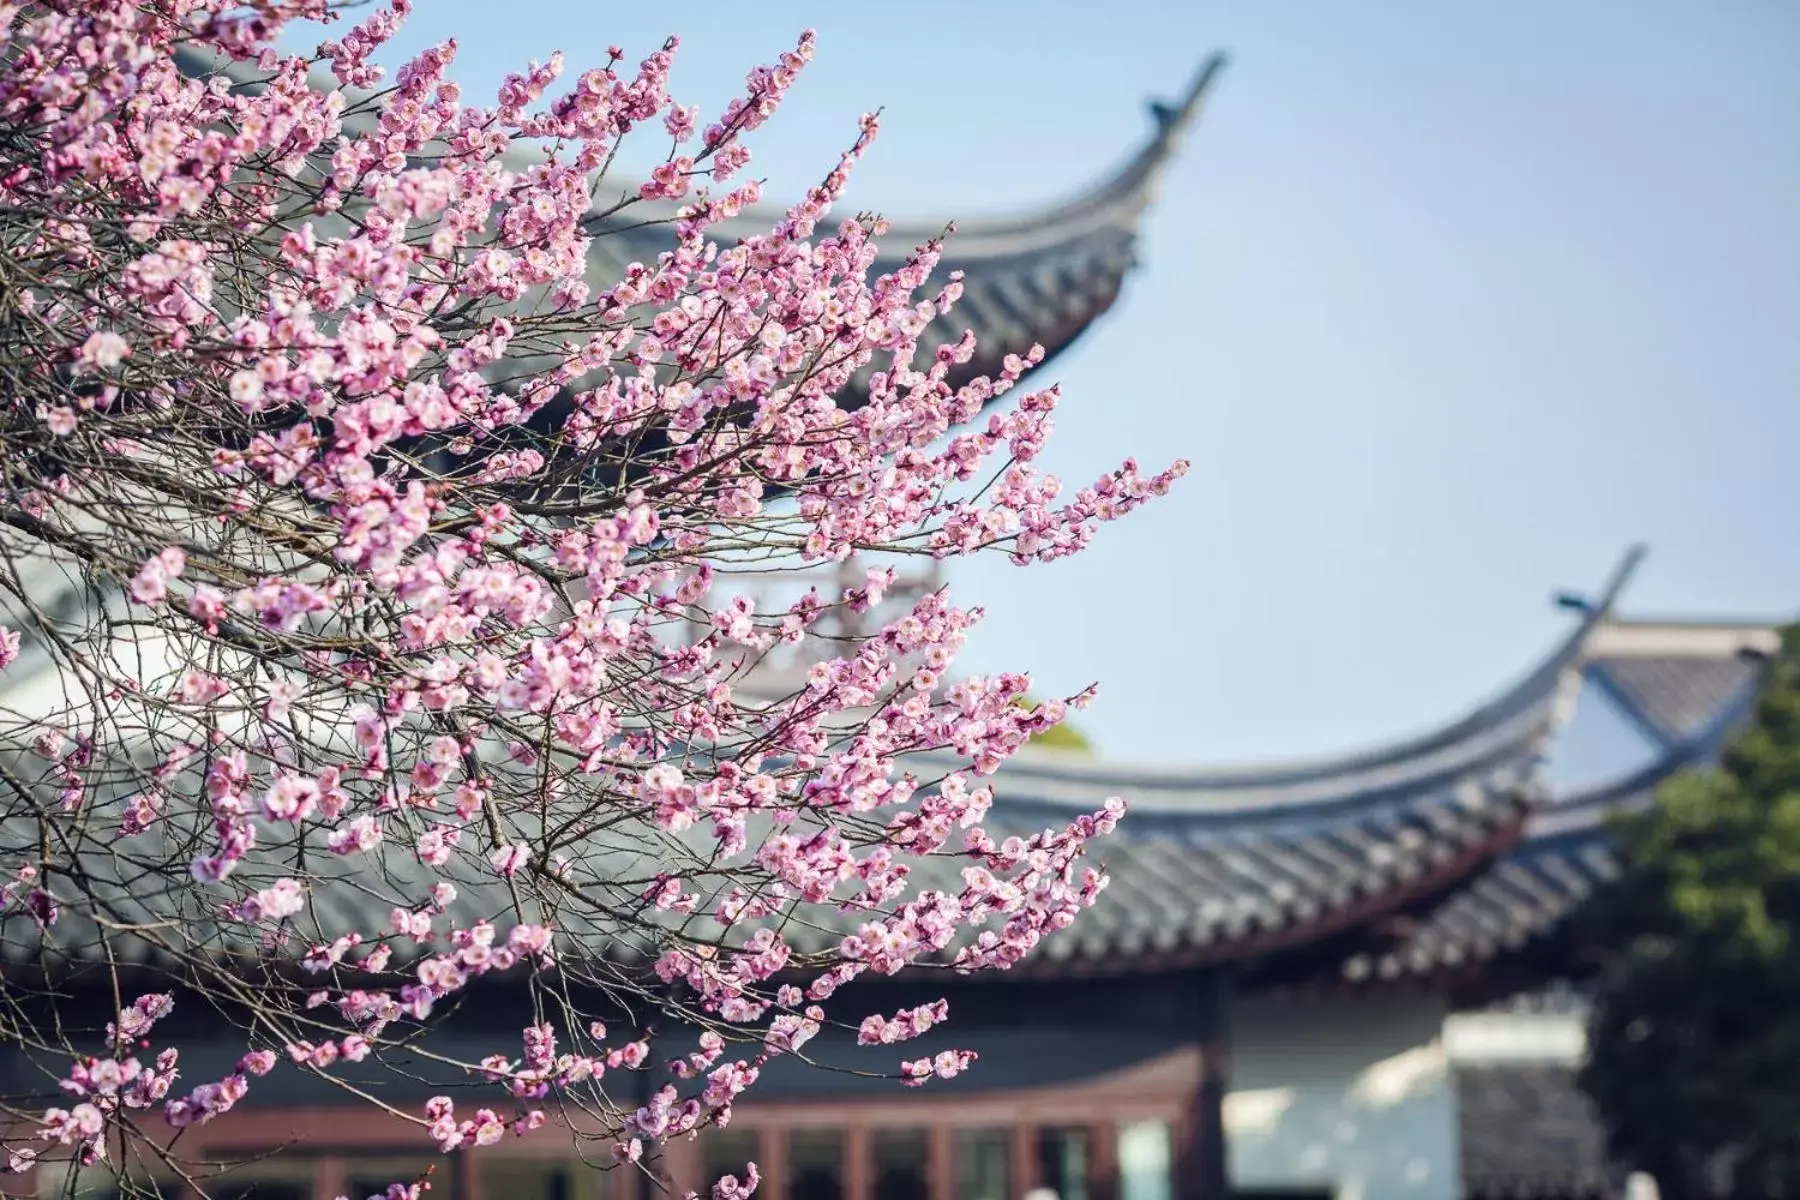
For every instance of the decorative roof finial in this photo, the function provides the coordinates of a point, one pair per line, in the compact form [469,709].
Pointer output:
[1609,594]
[1168,116]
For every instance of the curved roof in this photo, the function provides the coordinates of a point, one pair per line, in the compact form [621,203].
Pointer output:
[1506,734]
[1565,855]
[1222,866]
[1039,277]
[1213,866]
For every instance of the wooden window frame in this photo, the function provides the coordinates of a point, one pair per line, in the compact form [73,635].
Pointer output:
[1161,1089]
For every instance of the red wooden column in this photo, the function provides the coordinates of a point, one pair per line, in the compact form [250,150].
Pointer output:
[1201,1164]
[635,1182]
[1025,1173]
[942,1176]
[330,1180]
[859,1167]
[682,1169]
[771,1145]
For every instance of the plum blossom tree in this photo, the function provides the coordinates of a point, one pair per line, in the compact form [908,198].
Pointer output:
[354,541]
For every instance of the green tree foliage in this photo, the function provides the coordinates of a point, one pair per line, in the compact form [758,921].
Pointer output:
[1064,737]
[1695,1047]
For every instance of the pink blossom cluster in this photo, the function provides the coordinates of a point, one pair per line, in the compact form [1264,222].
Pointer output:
[483,1129]
[211,1100]
[730,1187]
[22,892]
[105,1086]
[151,583]
[902,1026]
[946,1065]
[418,554]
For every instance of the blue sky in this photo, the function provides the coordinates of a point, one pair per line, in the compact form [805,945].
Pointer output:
[1447,303]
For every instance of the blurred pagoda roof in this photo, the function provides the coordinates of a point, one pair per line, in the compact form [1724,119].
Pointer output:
[1425,862]
[1427,858]
[1037,277]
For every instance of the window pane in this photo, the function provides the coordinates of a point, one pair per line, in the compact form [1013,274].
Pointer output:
[92,1184]
[371,1176]
[983,1160]
[1063,1161]
[251,1177]
[524,1178]
[902,1160]
[589,1179]
[100,1182]
[267,1189]
[816,1164]
[726,1152]
[1146,1161]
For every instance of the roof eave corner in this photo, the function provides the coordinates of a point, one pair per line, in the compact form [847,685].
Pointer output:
[1595,614]
[1143,177]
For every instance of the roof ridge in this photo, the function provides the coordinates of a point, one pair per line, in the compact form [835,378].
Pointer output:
[1697,622]
[1532,708]
[1116,200]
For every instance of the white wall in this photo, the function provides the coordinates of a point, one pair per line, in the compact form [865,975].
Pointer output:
[1347,1095]
[1506,1037]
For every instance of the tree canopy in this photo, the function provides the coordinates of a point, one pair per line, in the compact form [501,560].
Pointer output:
[1694,1057]
[373,603]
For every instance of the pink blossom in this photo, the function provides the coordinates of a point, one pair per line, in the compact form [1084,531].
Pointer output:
[510,860]
[359,836]
[103,350]
[150,584]
[257,1062]
[458,587]
[43,907]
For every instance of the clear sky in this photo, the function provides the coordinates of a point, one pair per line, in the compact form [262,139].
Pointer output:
[1448,303]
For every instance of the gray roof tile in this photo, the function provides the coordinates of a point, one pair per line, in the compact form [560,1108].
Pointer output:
[1207,865]
[1674,698]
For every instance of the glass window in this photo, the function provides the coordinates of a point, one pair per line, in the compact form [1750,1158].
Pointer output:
[1146,1161]
[101,1182]
[280,1176]
[726,1152]
[365,1177]
[520,1178]
[259,1189]
[816,1164]
[1062,1156]
[983,1159]
[902,1162]
[589,1178]
[274,1176]
[536,1179]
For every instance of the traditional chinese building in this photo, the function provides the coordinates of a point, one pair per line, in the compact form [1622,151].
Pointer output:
[1317,979]
[1344,979]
